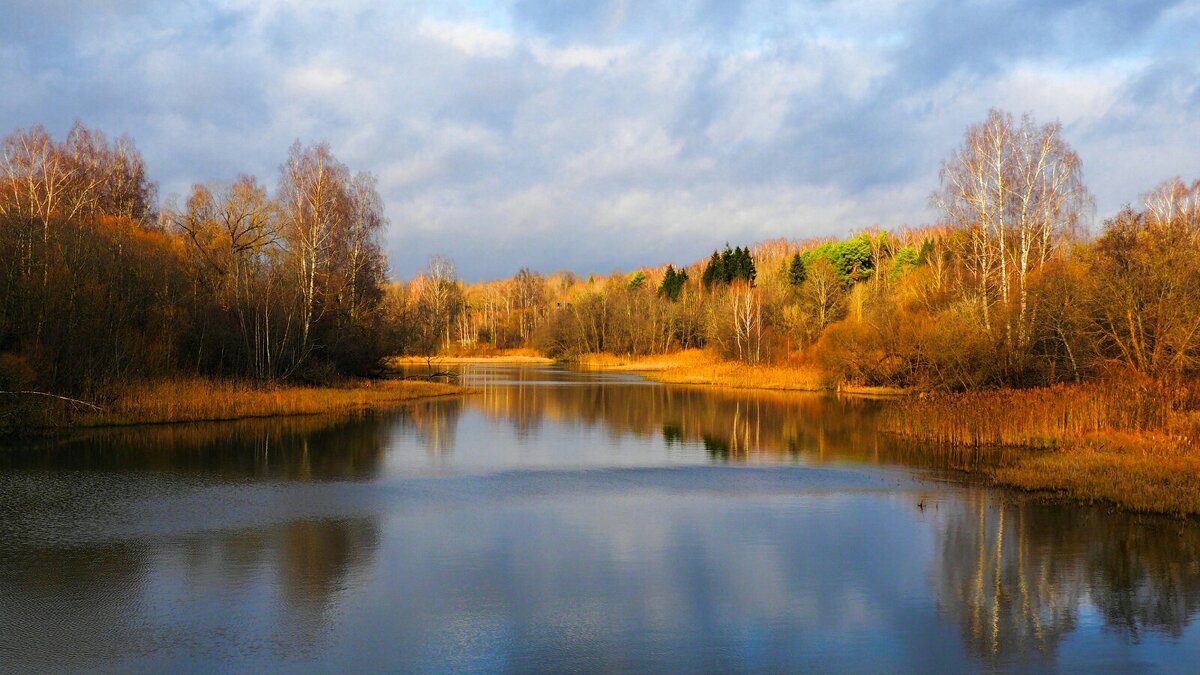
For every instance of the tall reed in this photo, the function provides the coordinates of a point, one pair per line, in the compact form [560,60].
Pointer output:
[199,399]
[1044,417]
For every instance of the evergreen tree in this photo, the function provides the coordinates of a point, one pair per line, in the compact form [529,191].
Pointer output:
[797,273]
[713,272]
[729,265]
[726,268]
[672,283]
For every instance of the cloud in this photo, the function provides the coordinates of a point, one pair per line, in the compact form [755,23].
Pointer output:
[613,134]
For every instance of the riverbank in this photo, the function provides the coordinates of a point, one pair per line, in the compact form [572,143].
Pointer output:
[1148,473]
[1121,443]
[458,360]
[502,356]
[203,400]
[1125,442]
[696,366]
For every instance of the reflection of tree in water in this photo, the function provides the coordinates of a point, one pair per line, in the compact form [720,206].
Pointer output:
[742,426]
[434,422]
[1012,575]
[316,558]
[71,607]
[297,448]
[312,561]
[672,436]
[1149,570]
[521,405]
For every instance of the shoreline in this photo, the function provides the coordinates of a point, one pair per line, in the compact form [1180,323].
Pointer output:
[1136,471]
[696,367]
[1141,471]
[513,357]
[168,402]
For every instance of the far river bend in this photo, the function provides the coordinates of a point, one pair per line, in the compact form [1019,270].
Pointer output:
[563,520]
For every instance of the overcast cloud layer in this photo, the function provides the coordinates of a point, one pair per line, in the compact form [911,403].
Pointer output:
[599,135]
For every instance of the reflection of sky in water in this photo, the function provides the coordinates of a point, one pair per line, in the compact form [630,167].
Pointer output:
[562,521]
[660,580]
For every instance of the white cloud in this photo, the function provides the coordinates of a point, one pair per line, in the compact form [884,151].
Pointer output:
[470,39]
[655,132]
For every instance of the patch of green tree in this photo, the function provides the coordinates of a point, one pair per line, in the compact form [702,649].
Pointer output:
[727,266]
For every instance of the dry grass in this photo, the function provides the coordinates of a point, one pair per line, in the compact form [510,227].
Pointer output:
[530,356]
[194,400]
[1037,418]
[1151,473]
[695,366]
[1123,441]
[687,358]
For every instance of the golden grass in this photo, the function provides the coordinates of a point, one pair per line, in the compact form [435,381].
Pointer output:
[1123,441]
[687,358]
[696,366]
[1038,418]
[530,356]
[1150,473]
[195,400]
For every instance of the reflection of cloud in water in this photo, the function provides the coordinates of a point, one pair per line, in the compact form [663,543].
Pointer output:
[558,527]
[653,580]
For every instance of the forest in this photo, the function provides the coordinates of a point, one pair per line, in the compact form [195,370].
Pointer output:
[1009,288]
[251,281]
[100,285]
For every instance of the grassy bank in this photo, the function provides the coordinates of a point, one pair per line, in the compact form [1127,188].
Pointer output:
[695,366]
[195,400]
[516,356]
[1124,442]
[1147,472]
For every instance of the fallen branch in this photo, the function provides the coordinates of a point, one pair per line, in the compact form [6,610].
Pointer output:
[449,375]
[93,406]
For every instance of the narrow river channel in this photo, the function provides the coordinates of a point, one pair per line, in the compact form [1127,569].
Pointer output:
[558,520]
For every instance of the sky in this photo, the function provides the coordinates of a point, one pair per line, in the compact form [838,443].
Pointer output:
[596,136]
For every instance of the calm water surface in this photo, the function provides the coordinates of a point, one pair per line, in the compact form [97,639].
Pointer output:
[559,520]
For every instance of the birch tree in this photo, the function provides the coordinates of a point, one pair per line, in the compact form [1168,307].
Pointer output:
[1017,191]
[316,213]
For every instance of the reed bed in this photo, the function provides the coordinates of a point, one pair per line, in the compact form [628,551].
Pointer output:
[1152,473]
[197,399]
[1127,441]
[1037,418]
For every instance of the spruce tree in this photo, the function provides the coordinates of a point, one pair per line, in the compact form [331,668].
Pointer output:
[713,271]
[796,271]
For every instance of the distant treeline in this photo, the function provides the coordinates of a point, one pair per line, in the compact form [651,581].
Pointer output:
[1008,289]
[98,285]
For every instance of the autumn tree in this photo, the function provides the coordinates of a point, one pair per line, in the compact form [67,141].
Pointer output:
[1145,306]
[1016,189]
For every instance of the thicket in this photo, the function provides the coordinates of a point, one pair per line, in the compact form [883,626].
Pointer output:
[1009,289]
[99,285]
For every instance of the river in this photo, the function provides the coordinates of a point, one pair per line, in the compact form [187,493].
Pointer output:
[562,520]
